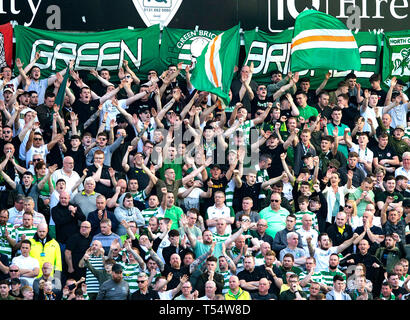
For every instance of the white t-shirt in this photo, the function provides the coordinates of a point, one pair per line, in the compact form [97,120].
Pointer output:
[43,150]
[312,233]
[366,155]
[369,113]
[215,213]
[26,263]
[322,258]
[69,180]
[22,114]
[192,201]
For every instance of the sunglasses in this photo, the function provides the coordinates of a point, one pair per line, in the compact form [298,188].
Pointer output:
[152,73]
[141,281]
[34,160]
[13,270]
[350,207]
[38,139]
[275,200]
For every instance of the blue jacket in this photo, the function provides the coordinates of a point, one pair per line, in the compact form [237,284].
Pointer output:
[331,296]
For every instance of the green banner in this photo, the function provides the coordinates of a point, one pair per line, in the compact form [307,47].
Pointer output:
[183,45]
[107,49]
[272,52]
[396,55]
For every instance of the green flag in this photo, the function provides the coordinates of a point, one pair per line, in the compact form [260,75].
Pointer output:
[61,91]
[270,52]
[91,50]
[321,41]
[396,55]
[214,69]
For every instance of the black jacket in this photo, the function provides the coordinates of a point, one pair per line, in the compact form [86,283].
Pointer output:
[66,224]
[338,238]
[203,278]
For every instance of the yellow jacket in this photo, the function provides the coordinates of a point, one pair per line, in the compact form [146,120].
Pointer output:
[50,252]
[242,295]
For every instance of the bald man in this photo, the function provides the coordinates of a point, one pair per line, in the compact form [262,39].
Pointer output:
[210,289]
[235,292]
[66,218]
[369,231]
[45,249]
[77,245]
[340,231]
[67,173]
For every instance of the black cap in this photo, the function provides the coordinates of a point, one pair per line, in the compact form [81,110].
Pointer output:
[120,118]
[307,155]
[15,281]
[401,82]
[22,94]
[143,109]
[117,268]
[215,165]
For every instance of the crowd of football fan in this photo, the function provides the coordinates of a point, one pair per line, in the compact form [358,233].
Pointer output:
[150,189]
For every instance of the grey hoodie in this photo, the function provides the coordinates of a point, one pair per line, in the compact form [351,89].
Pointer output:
[127,214]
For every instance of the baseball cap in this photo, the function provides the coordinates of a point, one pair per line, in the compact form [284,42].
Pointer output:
[399,127]
[117,268]
[8,89]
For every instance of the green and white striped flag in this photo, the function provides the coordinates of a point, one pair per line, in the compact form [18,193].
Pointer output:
[321,41]
[214,69]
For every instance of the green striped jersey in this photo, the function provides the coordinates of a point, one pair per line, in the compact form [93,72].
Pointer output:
[28,232]
[157,275]
[229,190]
[91,281]
[130,274]
[299,216]
[327,276]
[148,213]
[5,247]
[218,238]
[226,275]
[246,129]
[239,265]
[316,277]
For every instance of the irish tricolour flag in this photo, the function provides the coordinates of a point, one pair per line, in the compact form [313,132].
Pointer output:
[321,41]
[214,69]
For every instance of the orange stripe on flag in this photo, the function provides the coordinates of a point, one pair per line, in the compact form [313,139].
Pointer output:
[211,62]
[323,38]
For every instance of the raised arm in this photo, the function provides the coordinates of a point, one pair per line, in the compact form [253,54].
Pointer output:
[324,82]
[6,178]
